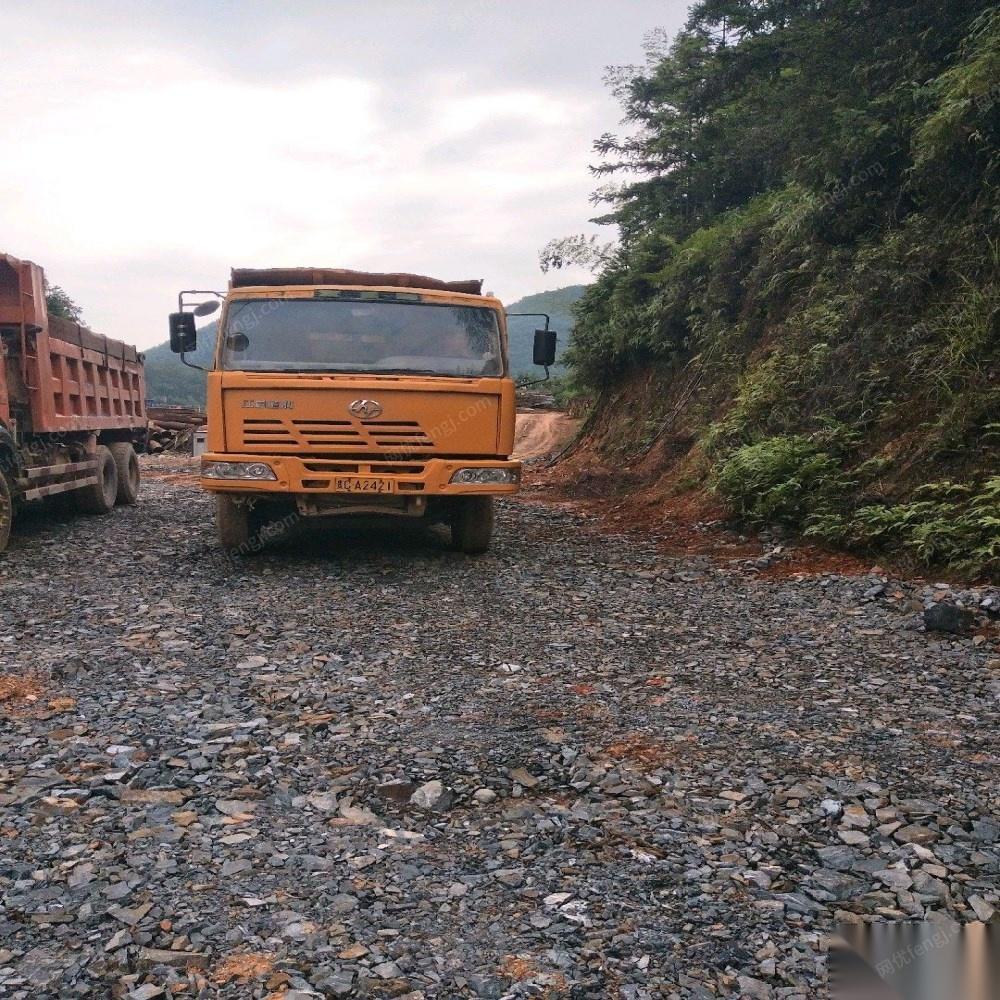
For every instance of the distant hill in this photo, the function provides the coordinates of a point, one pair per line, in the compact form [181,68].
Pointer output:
[168,381]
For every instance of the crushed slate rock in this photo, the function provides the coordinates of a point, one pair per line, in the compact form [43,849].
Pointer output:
[360,764]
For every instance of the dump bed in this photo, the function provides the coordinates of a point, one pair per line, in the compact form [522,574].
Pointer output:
[244,277]
[58,375]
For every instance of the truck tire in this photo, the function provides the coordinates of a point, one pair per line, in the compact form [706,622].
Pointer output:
[232,521]
[472,524]
[6,511]
[269,522]
[127,464]
[99,497]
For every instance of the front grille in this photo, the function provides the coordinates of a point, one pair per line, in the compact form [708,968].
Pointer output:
[269,432]
[397,433]
[400,436]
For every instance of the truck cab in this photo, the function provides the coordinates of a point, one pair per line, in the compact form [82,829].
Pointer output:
[336,393]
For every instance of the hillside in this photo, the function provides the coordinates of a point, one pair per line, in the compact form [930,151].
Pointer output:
[800,310]
[168,381]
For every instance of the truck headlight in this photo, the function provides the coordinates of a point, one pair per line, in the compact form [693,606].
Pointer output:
[237,470]
[485,477]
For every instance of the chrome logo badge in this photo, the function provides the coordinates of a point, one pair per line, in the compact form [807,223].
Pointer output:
[366,408]
[267,404]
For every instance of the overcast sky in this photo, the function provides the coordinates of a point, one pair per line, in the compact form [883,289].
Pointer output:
[148,147]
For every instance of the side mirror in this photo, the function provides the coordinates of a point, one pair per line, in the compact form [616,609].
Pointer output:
[183,335]
[545,347]
[206,308]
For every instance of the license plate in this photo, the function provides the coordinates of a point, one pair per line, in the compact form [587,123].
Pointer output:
[363,484]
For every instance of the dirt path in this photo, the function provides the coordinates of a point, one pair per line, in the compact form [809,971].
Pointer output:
[540,434]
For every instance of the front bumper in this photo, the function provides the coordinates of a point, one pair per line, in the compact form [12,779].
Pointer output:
[419,477]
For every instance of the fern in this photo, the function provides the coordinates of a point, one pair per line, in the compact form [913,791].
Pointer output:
[959,527]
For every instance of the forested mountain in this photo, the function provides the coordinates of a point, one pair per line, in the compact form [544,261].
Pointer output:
[800,299]
[169,381]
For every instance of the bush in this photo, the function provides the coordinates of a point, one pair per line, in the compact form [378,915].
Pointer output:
[949,524]
[566,391]
[780,480]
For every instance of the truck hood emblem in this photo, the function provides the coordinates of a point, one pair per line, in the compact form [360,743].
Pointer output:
[366,408]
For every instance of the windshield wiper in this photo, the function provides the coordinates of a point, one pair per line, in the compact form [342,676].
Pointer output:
[403,371]
[318,370]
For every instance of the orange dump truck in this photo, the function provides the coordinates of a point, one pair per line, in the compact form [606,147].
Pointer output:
[338,392]
[72,404]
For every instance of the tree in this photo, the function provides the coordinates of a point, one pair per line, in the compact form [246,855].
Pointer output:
[805,197]
[59,304]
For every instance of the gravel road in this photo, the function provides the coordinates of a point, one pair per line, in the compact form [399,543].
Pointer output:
[362,764]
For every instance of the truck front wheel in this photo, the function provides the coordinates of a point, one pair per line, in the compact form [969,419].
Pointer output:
[128,471]
[472,524]
[232,520]
[99,497]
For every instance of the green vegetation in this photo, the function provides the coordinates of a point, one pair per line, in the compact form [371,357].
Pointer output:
[58,303]
[568,394]
[780,480]
[947,523]
[807,231]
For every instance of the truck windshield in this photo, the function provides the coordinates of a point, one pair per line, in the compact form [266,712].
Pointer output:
[351,336]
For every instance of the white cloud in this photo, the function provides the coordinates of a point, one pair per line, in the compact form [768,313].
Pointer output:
[132,166]
[174,153]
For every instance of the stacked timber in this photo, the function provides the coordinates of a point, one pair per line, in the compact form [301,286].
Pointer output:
[171,428]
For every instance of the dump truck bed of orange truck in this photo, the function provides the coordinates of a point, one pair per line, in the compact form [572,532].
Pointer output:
[60,376]
[72,405]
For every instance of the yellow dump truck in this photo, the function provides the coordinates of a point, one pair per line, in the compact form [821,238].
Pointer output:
[336,392]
